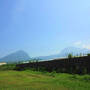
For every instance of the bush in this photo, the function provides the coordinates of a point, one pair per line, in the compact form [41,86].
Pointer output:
[74,76]
[88,54]
[53,73]
[86,78]
[8,67]
[70,55]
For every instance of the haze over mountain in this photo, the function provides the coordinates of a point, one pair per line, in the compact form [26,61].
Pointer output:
[16,57]
[64,53]
[23,56]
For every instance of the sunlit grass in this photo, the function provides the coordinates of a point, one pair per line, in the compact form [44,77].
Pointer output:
[33,80]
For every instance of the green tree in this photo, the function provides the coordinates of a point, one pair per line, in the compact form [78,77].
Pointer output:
[88,54]
[70,55]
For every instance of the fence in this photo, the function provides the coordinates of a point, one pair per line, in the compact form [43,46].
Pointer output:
[79,65]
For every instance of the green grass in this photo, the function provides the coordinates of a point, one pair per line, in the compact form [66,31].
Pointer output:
[33,80]
[7,67]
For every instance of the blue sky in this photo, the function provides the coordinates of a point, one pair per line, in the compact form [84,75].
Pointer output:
[43,27]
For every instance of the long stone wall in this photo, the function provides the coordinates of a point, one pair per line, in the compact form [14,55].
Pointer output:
[79,65]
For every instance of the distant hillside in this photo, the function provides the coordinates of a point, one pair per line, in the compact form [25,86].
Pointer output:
[23,56]
[75,51]
[65,52]
[16,57]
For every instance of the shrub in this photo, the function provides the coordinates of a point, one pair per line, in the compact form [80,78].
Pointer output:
[88,54]
[53,73]
[8,67]
[70,55]
[74,76]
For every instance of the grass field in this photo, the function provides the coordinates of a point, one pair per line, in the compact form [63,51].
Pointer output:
[33,80]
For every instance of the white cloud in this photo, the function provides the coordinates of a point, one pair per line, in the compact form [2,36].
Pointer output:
[78,43]
[81,45]
[87,46]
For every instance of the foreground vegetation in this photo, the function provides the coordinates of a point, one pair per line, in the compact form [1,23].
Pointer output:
[30,79]
[34,80]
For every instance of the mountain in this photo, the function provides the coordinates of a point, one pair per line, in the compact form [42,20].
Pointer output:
[23,56]
[74,51]
[16,57]
[64,53]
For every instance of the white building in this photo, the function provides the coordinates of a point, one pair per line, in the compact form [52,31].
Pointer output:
[3,63]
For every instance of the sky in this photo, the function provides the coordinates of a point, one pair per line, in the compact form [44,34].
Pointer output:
[43,27]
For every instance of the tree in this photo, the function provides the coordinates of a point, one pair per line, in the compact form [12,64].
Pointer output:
[70,55]
[88,54]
